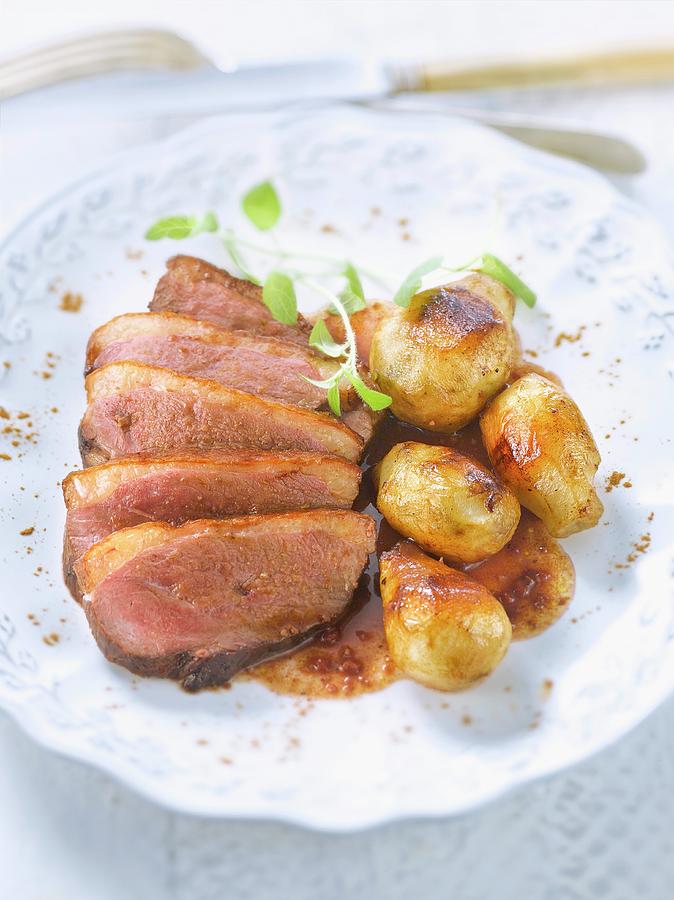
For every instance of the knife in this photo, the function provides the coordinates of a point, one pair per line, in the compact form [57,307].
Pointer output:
[204,88]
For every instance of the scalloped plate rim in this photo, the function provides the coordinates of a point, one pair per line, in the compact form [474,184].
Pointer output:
[49,740]
[55,740]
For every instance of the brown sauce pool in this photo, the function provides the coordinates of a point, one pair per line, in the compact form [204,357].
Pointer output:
[532,576]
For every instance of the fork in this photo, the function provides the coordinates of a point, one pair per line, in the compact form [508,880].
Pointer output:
[96,54]
[152,49]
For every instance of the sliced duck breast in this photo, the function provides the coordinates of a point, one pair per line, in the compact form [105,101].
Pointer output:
[135,408]
[126,492]
[201,601]
[260,365]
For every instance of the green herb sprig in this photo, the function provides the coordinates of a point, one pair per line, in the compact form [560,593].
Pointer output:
[321,339]
[180,227]
[262,207]
[487,264]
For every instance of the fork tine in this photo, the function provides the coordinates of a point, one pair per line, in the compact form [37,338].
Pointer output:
[97,54]
[100,40]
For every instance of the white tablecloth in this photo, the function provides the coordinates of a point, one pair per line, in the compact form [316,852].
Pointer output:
[602,830]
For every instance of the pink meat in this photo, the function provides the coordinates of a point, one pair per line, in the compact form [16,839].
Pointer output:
[184,491]
[149,420]
[243,367]
[201,607]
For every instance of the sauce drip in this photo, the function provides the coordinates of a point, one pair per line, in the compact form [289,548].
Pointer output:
[532,576]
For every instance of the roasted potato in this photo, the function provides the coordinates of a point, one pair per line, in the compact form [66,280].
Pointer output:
[443,629]
[540,445]
[446,502]
[444,356]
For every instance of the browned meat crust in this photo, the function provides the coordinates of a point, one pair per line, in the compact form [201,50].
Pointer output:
[194,287]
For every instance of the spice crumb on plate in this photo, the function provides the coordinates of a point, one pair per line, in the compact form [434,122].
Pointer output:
[71,302]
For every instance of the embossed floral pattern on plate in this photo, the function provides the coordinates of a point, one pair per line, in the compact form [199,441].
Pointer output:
[387,190]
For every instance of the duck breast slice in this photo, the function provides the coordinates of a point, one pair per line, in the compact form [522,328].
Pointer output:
[135,408]
[201,601]
[177,488]
[260,365]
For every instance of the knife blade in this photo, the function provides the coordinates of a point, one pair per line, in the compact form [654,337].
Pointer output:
[211,90]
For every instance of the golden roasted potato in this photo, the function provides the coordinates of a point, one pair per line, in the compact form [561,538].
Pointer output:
[444,356]
[446,502]
[442,628]
[540,445]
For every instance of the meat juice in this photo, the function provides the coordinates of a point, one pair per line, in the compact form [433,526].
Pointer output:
[532,576]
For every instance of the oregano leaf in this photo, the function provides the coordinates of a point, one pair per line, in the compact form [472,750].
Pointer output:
[174,227]
[209,222]
[333,399]
[375,399]
[262,205]
[353,280]
[412,283]
[327,384]
[278,295]
[350,301]
[491,265]
[321,339]
[177,228]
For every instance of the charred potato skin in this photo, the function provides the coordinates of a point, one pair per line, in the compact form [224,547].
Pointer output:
[447,503]
[541,446]
[443,629]
[447,354]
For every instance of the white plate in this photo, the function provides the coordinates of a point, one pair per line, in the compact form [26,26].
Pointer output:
[596,262]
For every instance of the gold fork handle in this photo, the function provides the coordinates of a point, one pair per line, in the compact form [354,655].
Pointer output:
[633,66]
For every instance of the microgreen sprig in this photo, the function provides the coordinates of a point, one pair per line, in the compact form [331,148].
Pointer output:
[487,264]
[180,227]
[262,207]
[321,339]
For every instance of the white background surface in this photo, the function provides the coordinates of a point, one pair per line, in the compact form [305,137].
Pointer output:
[603,830]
